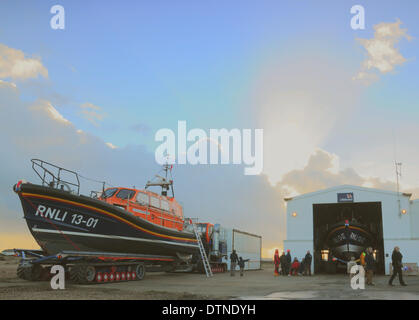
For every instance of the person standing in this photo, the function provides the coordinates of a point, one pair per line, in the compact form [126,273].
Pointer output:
[277,262]
[241,265]
[396,260]
[307,263]
[283,262]
[369,266]
[288,262]
[233,262]
[362,258]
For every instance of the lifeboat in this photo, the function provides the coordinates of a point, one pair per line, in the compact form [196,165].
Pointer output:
[117,219]
[348,239]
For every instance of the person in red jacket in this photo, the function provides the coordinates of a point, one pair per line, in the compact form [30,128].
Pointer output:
[294,267]
[276,262]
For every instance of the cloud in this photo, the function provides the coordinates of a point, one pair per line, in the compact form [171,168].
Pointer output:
[8,84]
[110,145]
[382,54]
[92,113]
[366,78]
[14,65]
[322,171]
[48,109]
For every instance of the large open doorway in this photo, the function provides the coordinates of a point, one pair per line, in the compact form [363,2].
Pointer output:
[342,230]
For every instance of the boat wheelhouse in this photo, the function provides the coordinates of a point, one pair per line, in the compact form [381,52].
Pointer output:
[159,209]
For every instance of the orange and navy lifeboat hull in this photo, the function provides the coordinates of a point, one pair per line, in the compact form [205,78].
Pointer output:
[60,221]
[347,240]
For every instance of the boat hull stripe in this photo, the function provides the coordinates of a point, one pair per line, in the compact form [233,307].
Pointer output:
[95,235]
[33,195]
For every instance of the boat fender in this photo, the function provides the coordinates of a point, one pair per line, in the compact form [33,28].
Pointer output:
[18,185]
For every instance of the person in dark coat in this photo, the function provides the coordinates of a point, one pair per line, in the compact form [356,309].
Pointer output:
[307,263]
[277,262]
[241,265]
[369,266]
[288,260]
[233,262]
[283,262]
[396,260]
[302,267]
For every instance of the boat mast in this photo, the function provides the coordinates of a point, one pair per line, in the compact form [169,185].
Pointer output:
[163,182]
[398,166]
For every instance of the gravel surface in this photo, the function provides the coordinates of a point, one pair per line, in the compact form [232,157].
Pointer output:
[259,284]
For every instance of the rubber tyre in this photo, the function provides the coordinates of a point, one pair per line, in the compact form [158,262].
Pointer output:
[21,272]
[30,272]
[139,271]
[82,274]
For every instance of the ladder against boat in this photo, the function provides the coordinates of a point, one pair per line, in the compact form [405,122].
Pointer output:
[204,258]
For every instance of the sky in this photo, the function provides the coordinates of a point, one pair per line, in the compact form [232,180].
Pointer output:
[337,105]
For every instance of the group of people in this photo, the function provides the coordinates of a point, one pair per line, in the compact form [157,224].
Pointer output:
[284,265]
[368,262]
[236,260]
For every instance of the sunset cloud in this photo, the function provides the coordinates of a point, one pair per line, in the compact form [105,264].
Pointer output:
[110,145]
[322,171]
[382,54]
[47,108]
[14,65]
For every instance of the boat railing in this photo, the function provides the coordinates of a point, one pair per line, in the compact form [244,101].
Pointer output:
[95,194]
[54,176]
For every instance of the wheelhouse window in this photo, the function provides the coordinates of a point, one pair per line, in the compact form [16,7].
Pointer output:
[125,194]
[155,202]
[142,198]
[109,193]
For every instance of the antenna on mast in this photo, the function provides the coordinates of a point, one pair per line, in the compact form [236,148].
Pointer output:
[163,182]
[398,166]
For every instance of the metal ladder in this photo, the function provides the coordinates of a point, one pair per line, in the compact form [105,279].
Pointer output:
[204,257]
